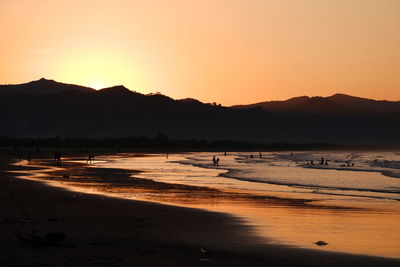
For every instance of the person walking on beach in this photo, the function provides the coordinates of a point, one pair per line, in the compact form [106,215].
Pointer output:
[217,162]
[57,158]
[214,161]
[90,159]
[260,155]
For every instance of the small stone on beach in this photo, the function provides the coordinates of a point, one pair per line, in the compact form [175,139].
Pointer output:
[321,243]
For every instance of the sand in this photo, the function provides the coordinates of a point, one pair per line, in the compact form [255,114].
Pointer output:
[109,231]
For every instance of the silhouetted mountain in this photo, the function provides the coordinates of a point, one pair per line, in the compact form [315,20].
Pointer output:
[320,105]
[119,89]
[119,112]
[277,106]
[41,87]
[364,103]
[335,104]
[190,100]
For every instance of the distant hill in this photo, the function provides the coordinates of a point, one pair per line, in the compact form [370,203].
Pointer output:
[47,108]
[364,103]
[335,104]
[277,106]
[41,87]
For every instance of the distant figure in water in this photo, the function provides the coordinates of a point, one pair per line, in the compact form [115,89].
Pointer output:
[291,154]
[57,158]
[90,159]
[251,156]
[225,153]
[352,164]
[326,162]
[167,154]
[217,162]
[312,162]
[214,161]
[322,161]
[260,155]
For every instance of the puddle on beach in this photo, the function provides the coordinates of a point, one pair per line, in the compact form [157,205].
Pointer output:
[351,221]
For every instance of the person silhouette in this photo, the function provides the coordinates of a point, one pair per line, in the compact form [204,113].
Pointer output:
[57,158]
[90,159]
[217,162]
[214,161]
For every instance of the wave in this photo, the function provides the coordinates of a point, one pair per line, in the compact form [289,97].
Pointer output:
[387,173]
[231,174]
[240,174]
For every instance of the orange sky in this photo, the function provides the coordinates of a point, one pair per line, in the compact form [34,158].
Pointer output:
[227,51]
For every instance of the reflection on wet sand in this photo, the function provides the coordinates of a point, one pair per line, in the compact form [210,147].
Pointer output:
[290,221]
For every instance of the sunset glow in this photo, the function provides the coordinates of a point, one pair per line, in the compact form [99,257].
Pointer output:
[200,132]
[221,51]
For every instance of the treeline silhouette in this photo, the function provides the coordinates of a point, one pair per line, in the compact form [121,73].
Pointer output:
[163,143]
[73,111]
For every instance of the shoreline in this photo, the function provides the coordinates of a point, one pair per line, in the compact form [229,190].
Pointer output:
[129,232]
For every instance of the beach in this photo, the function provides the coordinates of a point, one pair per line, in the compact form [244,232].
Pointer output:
[105,230]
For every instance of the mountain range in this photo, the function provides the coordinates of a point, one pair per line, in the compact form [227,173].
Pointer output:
[49,108]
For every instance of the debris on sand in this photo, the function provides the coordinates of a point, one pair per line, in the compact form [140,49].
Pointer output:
[203,250]
[321,243]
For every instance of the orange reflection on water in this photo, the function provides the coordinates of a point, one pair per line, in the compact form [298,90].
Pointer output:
[368,230]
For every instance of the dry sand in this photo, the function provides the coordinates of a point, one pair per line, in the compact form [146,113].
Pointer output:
[108,231]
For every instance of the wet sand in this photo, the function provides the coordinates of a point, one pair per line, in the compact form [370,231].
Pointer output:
[109,231]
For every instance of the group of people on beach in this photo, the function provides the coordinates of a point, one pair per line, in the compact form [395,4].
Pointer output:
[323,161]
[215,161]
[90,159]
[259,155]
[347,164]
[57,159]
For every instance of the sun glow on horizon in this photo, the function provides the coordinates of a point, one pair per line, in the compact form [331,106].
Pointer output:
[98,67]
[214,51]
[98,85]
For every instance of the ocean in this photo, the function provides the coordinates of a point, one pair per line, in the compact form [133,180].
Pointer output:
[349,200]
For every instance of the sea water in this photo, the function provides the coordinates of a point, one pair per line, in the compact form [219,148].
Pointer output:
[352,201]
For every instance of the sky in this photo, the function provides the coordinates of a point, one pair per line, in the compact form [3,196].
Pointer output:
[224,51]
